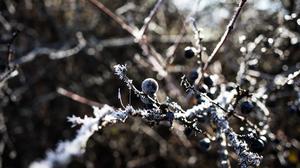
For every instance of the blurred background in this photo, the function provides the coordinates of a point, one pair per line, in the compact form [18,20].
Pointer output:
[73,45]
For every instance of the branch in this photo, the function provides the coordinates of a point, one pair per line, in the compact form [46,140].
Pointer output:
[77,97]
[115,17]
[137,34]
[149,18]
[226,33]
[65,150]
[53,53]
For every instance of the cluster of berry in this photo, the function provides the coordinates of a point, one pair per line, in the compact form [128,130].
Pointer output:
[209,109]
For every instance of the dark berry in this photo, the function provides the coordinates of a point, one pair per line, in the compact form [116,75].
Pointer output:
[246,107]
[192,76]
[208,81]
[170,116]
[257,145]
[189,52]
[149,86]
[204,144]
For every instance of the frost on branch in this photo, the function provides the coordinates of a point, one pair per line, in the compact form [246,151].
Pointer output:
[246,157]
[65,150]
[168,111]
[120,70]
[208,108]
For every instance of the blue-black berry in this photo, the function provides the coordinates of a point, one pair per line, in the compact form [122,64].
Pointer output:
[170,116]
[192,76]
[257,145]
[149,86]
[204,144]
[208,81]
[189,52]
[247,107]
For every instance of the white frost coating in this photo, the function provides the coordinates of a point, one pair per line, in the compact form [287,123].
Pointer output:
[66,149]
[198,109]
[115,116]
[120,70]
[246,157]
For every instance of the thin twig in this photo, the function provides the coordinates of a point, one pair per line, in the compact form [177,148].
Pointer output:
[226,33]
[149,18]
[120,98]
[6,25]
[290,77]
[137,34]
[77,97]
[52,53]
[115,17]
[172,49]
[9,51]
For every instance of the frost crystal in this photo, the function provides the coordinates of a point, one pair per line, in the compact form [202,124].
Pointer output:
[67,149]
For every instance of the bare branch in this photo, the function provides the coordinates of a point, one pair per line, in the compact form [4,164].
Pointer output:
[226,33]
[149,18]
[77,97]
[115,17]
[52,53]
